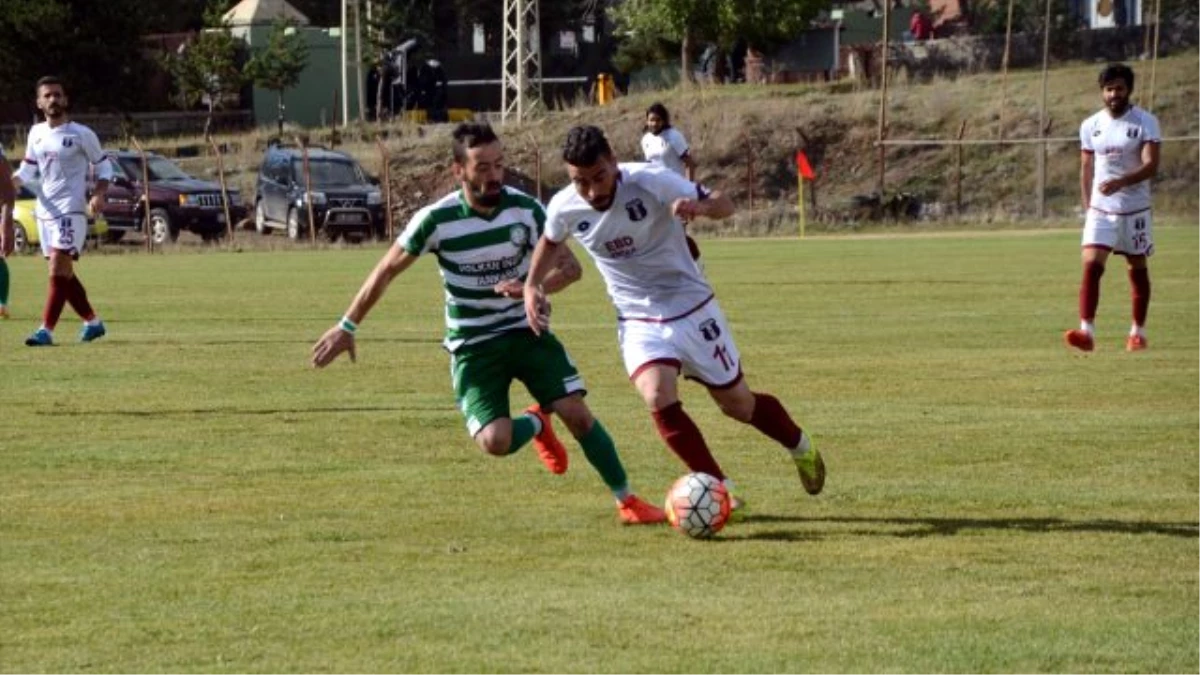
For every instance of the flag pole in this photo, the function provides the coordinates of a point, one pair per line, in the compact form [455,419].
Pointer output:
[800,193]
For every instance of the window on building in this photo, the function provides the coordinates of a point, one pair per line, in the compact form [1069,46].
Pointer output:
[479,40]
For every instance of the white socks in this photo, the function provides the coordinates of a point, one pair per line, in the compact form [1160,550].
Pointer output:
[801,448]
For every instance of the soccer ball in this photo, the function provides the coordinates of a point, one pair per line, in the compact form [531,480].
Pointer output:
[698,505]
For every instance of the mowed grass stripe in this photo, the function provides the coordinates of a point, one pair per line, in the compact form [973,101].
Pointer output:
[188,495]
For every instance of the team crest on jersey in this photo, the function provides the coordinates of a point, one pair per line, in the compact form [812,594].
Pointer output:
[583,226]
[636,210]
[1096,133]
[1139,224]
[710,330]
[68,142]
[1132,132]
[518,235]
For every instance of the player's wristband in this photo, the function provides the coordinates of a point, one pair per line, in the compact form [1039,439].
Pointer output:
[347,325]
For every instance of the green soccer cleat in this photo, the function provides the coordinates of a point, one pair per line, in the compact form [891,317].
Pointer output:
[811,468]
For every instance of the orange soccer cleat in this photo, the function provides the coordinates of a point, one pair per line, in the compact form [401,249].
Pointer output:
[634,511]
[1135,343]
[1080,339]
[549,449]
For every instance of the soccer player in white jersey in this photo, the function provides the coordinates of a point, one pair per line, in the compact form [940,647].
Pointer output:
[7,200]
[63,153]
[482,236]
[664,144]
[1120,150]
[668,320]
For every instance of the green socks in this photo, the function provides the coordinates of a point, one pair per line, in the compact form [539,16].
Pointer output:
[3,282]
[524,428]
[601,452]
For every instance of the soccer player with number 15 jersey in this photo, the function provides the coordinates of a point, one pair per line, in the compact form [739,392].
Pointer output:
[1120,149]
[668,320]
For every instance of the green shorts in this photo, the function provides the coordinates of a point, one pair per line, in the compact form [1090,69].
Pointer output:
[482,374]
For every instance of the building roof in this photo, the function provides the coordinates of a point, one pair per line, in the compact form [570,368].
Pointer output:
[251,12]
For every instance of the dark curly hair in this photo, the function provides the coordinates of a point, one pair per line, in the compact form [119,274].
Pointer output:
[660,110]
[585,145]
[1116,71]
[469,135]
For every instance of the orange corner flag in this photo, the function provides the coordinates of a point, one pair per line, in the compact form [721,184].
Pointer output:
[804,167]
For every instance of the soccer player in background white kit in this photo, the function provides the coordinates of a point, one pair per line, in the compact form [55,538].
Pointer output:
[668,320]
[664,144]
[63,153]
[1120,150]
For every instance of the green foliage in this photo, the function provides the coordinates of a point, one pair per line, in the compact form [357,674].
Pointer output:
[393,22]
[278,66]
[93,46]
[207,71]
[761,23]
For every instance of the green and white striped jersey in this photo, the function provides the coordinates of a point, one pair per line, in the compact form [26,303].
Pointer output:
[474,253]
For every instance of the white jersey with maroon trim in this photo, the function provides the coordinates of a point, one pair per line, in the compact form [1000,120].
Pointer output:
[63,155]
[1117,146]
[639,247]
[666,148]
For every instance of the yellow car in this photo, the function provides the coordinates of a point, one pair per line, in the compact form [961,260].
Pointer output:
[25,231]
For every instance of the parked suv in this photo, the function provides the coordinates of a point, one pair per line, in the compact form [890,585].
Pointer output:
[178,201]
[346,202]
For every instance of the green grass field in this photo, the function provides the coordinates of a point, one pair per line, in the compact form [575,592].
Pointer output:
[189,495]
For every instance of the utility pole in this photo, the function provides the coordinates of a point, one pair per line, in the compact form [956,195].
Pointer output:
[358,62]
[345,80]
[521,82]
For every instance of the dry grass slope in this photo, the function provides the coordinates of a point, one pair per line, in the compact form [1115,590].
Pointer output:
[733,126]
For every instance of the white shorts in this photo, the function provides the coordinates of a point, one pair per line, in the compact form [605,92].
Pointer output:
[66,233]
[699,344]
[1129,234]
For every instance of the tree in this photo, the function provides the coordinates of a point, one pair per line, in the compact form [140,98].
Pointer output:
[391,23]
[207,70]
[93,46]
[762,23]
[278,66]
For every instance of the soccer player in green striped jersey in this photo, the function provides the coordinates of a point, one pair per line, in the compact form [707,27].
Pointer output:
[483,236]
[7,203]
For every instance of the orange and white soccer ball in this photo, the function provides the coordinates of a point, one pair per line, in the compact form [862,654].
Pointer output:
[698,505]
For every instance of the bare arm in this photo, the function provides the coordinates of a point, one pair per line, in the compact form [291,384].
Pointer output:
[1087,167]
[338,339]
[718,206]
[537,308]
[565,271]
[1148,169]
[99,197]
[689,166]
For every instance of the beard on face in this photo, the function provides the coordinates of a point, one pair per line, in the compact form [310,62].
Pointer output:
[603,203]
[488,195]
[1118,104]
[54,110]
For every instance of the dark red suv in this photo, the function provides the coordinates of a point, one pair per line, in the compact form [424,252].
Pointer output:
[178,202]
